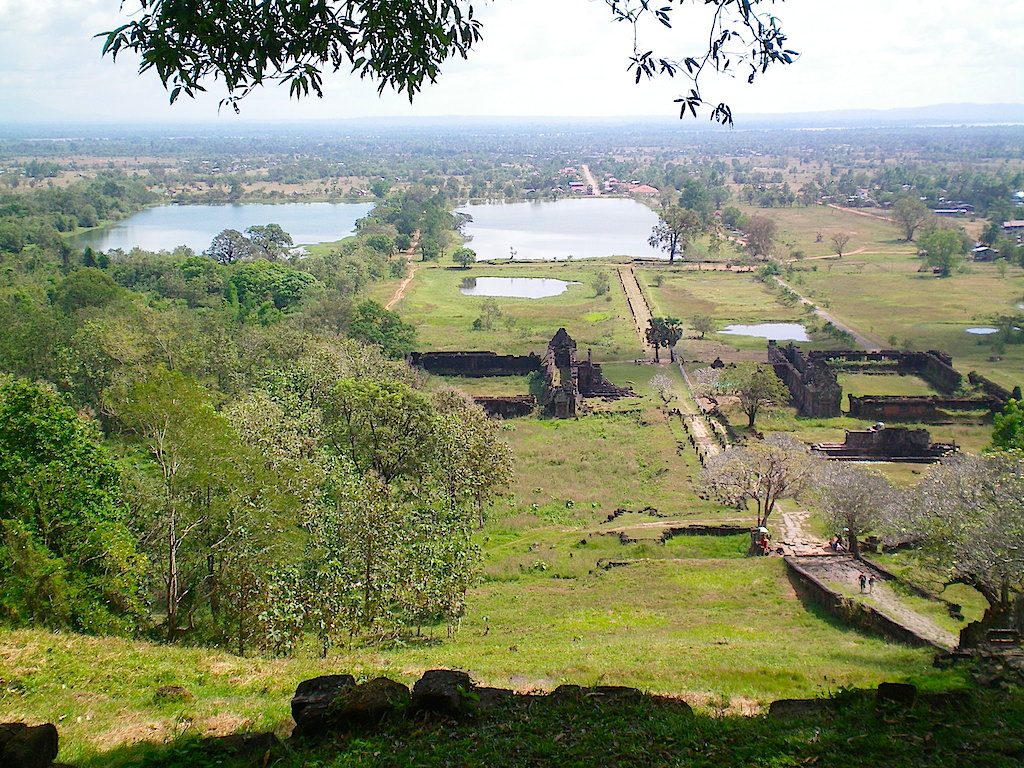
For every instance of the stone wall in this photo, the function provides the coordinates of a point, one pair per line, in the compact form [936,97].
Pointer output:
[475,364]
[508,407]
[993,390]
[922,410]
[812,384]
[850,612]
[933,366]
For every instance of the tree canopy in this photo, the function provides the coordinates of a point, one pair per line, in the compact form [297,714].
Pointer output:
[401,44]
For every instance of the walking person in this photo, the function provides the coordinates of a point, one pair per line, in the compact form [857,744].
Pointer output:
[871,583]
[863,581]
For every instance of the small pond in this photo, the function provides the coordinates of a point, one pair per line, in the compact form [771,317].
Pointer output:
[514,287]
[776,331]
[981,331]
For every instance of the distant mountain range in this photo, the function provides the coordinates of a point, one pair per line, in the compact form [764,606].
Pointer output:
[949,114]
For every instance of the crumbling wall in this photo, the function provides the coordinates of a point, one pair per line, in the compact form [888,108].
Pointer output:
[933,366]
[507,407]
[475,364]
[993,390]
[932,409]
[812,384]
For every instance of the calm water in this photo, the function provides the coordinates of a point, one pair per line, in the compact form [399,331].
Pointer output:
[776,331]
[559,229]
[167,226]
[981,331]
[514,287]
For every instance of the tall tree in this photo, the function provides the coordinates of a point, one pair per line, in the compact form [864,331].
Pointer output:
[67,556]
[944,249]
[664,332]
[229,246]
[910,214]
[269,240]
[760,232]
[761,473]
[970,512]
[839,241]
[675,229]
[853,499]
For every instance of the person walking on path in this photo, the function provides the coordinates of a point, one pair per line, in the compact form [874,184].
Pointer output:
[871,583]
[863,581]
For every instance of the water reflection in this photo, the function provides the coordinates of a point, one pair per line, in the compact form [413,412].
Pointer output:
[775,331]
[514,287]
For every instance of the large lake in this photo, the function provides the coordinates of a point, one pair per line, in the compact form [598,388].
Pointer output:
[559,229]
[167,226]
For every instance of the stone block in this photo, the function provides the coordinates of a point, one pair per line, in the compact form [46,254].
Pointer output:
[443,691]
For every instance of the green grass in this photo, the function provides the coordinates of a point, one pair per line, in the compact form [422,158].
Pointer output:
[444,317]
[890,298]
[974,730]
[702,628]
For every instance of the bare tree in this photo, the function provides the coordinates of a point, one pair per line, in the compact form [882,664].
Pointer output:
[762,474]
[839,241]
[662,384]
[760,232]
[970,511]
[853,498]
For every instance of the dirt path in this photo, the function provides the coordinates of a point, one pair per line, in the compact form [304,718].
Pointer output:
[859,213]
[594,187]
[845,570]
[400,290]
[637,307]
[701,432]
[864,340]
[793,536]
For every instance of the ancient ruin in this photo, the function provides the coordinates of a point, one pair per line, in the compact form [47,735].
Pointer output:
[567,380]
[816,392]
[882,443]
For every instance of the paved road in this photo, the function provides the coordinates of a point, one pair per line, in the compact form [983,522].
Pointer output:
[595,188]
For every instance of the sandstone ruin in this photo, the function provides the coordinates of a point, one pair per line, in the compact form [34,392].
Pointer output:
[567,379]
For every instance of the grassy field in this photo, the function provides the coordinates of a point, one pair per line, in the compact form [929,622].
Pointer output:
[444,317]
[649,625]
[889,297]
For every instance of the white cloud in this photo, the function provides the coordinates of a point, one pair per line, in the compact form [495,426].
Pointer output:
[557,57]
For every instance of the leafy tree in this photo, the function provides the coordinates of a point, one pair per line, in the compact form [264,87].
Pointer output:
[853,498]
[755,386]
[762,474]
[664,332]
[910,214]
[196,457]
[370,323]
[269,240]
[490,313]
[67,555]
[260,280]
[229,246]
[85,287]
[703,324]
[944,248]
[732,217]
[384,427]
[400,45]
[675,229]
[464,257]
[970,512]
[1008,429]
[600,283]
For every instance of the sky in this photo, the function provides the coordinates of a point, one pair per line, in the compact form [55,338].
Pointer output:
[558,58]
